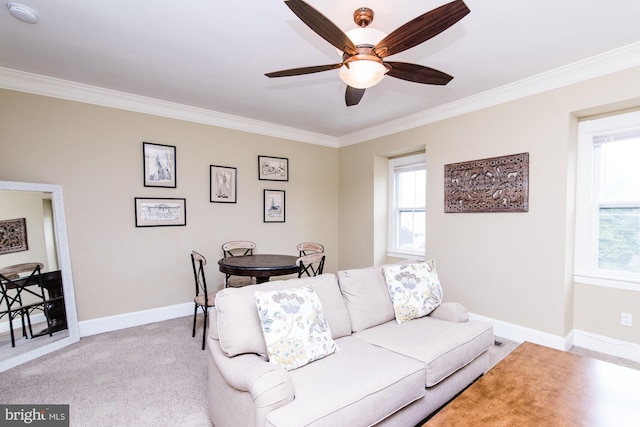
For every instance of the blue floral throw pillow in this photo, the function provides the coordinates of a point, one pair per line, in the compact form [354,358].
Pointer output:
[414,289]
[294,326]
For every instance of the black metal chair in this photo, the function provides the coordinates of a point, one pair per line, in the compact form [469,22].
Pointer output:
[203,299]
[308,248]
[311,265]
[22,296]
[237,248]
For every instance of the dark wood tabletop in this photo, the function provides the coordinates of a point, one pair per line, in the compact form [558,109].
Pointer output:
[261,266]
[13,271]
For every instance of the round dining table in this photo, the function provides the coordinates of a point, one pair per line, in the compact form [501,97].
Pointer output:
[261,266]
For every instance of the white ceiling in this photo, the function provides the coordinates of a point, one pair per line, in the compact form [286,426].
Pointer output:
[212,55]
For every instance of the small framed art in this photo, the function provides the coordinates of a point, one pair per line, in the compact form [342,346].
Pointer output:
[159,162]
[273,168]
[222,184]
[160,212]
[274,206]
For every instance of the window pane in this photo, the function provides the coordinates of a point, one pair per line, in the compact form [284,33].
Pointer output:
[620,171]
[411,233]
[412,189]
[619,239]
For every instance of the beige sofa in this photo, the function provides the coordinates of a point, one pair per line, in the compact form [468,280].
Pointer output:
[384,373]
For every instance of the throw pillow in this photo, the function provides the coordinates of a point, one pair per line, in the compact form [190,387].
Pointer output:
[414,289]
[294,326]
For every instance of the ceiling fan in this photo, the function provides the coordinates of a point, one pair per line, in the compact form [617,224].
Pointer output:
[364,49]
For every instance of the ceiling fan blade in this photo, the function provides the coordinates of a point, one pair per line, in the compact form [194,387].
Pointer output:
[422,28]
[418,73]
[322,26]
[303,70]
[352,96]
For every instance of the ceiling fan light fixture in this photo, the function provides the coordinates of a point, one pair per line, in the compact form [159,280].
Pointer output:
[362,74]
[366,36]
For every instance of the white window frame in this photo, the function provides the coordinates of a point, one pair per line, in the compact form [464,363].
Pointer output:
[586,268]
[392,249]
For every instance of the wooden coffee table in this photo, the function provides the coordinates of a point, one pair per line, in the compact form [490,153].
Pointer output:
[541,386]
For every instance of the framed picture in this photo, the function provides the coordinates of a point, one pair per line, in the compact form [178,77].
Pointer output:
[13,235]
[496,184]
[159,162]
[273,168]
[160,212]
[274,206]
[222,184]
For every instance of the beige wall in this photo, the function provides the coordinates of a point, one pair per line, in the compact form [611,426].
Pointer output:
[513,267]
[95,153]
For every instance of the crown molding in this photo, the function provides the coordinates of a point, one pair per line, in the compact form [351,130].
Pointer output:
[599,65]
[606,63]
[64,89]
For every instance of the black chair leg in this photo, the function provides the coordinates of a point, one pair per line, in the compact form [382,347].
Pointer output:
[48,318]
[13,338]
[24,325]
[204,328]
[195,314]
[29,323]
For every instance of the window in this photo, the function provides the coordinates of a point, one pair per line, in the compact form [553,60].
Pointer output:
[407,199]
[608,209]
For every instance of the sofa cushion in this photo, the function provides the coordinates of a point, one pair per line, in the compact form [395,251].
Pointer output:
[359,385]
[366,296]
[443,347]
[238,323]
[294,326]
[414,289]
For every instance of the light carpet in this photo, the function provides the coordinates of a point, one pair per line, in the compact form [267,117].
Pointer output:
[151,375]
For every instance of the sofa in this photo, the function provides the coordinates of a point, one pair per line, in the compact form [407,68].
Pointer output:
[382,372]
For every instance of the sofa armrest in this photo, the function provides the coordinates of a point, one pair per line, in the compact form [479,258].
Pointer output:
[451,311]
[270,385]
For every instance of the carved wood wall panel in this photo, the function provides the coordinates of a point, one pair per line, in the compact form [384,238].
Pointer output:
[497,184]
[13,235]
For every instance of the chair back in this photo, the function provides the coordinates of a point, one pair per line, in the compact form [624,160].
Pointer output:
[11,281]
[199,261]
[308,248]
[311,265]
[238,247]
[30,287]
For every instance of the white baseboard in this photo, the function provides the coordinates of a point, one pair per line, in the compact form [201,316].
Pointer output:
[36,318]
[587,340]
[137,318]
[502,329]
[518,333]
[607,345]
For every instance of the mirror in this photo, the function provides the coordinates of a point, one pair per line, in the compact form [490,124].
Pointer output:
[51,248]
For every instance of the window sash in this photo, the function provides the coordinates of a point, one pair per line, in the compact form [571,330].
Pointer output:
[593,230]
[397,167]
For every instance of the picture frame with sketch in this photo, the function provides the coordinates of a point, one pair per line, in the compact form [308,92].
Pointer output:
[159,164]
[274,206]
[223,184]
